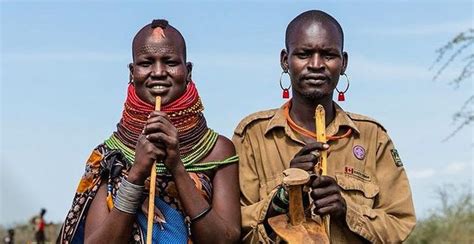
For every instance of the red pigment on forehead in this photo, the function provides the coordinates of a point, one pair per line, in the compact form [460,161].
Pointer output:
[158,33]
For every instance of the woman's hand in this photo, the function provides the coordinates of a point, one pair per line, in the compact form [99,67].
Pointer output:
[158,142]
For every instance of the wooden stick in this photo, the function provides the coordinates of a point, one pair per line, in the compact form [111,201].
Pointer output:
[320,116]
[151,196]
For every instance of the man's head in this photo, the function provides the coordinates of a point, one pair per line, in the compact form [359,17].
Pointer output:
[314,56]
[311,16]
[159,65]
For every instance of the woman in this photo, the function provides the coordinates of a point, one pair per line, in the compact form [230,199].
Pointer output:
[197,195]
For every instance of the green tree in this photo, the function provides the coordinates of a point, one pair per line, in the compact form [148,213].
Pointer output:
[458,50]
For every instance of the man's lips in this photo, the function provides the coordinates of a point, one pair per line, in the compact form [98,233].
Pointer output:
[315,79]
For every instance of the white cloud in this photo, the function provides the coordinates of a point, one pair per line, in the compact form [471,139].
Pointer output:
[66,56]
[457,167]
[424,30]
[365,68]
[421,173]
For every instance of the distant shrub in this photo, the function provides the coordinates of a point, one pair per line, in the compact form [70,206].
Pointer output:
[452,222]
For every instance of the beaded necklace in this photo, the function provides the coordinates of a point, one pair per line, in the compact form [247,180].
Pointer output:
[196,140]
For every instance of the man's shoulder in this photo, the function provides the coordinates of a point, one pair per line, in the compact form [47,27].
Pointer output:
[254,118]
[365,121]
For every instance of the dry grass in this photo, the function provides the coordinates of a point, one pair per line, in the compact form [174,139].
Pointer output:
[26,234]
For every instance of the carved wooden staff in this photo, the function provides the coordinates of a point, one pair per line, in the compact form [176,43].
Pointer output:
[296,228]
[151,196]
[320,116]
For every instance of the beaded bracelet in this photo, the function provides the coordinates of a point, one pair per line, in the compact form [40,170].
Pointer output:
[128,197]
[280,200]
[201,215]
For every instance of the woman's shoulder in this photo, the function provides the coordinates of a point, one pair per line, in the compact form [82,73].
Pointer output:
[223,149]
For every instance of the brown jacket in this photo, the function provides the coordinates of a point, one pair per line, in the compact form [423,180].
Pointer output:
[365,165]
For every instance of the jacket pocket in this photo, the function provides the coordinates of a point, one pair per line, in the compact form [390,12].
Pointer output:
[267,186]
[357,190]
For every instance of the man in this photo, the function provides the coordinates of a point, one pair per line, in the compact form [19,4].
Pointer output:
[366,192]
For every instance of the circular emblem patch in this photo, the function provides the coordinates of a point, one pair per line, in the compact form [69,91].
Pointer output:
[359,152]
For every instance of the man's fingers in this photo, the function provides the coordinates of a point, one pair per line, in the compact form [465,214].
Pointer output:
[324,181]
[316,146]
[320,193]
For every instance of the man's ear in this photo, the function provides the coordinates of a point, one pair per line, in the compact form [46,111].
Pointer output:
[284,60]
[189,67]
[130,75]
[345,60]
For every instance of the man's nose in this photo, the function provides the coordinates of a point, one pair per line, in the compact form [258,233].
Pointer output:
[316,61]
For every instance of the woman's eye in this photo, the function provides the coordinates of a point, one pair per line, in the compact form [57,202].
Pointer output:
[172,63]
[144,64]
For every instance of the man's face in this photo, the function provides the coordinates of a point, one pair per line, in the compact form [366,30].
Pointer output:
[314,59]
[159,68]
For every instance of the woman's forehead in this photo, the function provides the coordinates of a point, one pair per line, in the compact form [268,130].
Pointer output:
[151,44]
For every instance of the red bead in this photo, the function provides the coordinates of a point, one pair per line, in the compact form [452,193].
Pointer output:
[286,94]
[341,97]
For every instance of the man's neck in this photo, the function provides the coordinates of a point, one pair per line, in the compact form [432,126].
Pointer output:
[302,111]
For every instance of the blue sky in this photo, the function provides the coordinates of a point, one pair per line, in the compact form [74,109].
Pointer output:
[64,78]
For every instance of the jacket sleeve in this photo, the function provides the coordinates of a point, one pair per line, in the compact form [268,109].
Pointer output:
[392,217]
[253,206]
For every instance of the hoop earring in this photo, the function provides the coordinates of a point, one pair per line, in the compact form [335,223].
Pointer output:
[286,92]
[341,97]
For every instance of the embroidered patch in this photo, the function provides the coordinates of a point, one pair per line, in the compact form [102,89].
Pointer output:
[396,158]
[356,173]
[359,152]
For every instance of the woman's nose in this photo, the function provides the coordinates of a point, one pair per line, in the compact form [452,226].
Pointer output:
[158,70]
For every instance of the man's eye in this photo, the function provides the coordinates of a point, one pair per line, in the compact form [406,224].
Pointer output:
[302,55]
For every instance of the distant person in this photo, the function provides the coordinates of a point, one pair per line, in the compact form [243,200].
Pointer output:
[366,192]
[39,224]
[10,238]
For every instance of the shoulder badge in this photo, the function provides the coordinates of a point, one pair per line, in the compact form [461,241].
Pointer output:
[396,157]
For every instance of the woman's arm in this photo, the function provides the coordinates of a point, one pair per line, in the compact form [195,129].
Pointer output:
[222,223]
[103,226]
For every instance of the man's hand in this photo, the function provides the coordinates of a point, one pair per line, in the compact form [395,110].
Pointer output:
[308,156]
[327,198]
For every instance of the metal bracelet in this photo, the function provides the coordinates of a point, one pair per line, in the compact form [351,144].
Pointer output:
[128,197]
[201,215]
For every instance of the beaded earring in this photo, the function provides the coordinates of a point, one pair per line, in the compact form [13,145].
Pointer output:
[286,91]
[341,97]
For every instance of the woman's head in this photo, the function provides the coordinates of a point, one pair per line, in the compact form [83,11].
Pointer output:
[314,54]
[159,65]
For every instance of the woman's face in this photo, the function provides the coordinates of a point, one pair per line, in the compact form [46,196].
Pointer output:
[159,68]
[314,59]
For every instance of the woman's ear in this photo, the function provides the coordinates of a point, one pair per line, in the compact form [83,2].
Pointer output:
[284,60]
[189,68]
[130,76]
